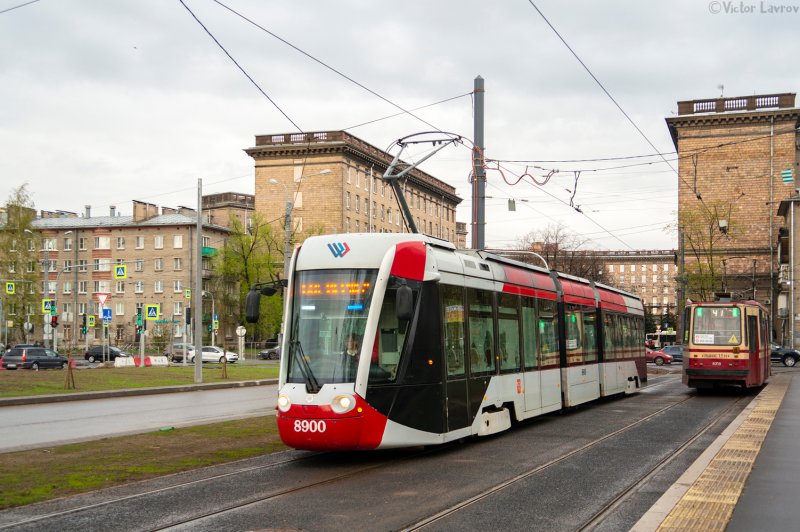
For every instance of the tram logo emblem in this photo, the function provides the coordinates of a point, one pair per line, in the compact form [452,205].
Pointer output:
[339,249]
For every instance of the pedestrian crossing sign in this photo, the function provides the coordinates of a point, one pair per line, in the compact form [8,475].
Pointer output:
[121,271]
[90,320]
[11,288]
[151,312]
[47,306]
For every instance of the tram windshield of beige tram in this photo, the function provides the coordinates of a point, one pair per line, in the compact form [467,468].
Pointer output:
[717,326]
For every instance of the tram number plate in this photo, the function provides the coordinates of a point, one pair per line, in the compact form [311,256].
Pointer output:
[309,425]
[716,363]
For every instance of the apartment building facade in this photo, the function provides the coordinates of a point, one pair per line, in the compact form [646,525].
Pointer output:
[650,274]
[78,258]
[330,182]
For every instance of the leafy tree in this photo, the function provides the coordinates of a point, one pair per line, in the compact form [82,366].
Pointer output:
[248,257]
[18,262]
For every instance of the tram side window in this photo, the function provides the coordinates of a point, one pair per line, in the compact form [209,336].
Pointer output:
[453,307]
[608,337]
[574,340]
[481,331]
[529,332]
[548,333]
[590,336]
[391,339]
[508,332]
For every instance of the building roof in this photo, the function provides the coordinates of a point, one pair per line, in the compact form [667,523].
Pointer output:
[162,220]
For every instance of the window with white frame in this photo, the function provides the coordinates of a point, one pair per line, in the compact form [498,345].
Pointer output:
[177,241]
[82,287]
[67,287]
[120,242]
[140,242]
[138,287]
[177,264]
[158,242]
[177,285]
[49,244]
[138,265]
[158,264]
[102,287]
[358,203]
[347,200]
[120,309]
[81,308]
[120,287]
[67,244]
[158,286]
[177,308]
[102,242]
[82,243]
[82,265]
[102,265]
[206,242]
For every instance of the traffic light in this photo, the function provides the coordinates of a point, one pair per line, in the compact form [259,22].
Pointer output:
[138,321]
[53,321]
[188,315]
[83,324]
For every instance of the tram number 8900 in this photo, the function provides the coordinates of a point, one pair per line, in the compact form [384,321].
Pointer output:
[309,425]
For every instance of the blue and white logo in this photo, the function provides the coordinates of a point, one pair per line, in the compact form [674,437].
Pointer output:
[339,249]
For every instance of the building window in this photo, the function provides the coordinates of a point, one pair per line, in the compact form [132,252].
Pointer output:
[177,241]
[120,309]
[358,203]
[102,242]
[158,264]
[138,287]
[158,242]
[177,308]
[50,244]
[177,285]
[102,265]
[67,244]
[67,265]
[82,287]
[120,287]
[158,286]
[177,264]
[138,265]
[67,287]
[139,242]
[347,200]
[120,242]
[82,265]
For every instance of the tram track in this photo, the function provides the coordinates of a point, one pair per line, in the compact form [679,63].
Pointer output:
[453,509]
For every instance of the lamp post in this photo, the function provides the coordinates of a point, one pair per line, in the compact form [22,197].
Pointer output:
[287,221]
[213,314]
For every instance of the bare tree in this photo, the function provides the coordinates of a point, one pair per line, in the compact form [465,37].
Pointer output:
[564,251]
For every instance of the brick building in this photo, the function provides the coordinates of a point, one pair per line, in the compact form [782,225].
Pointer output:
[732,154]
[333,181]
[651,274]
[157,246]
[222,209]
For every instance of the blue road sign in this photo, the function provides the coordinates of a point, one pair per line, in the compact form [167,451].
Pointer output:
[106,315]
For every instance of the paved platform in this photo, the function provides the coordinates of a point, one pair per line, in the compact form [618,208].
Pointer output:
[748,479]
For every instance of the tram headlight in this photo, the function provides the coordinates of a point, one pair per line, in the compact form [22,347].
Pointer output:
[284,403]
[342,404]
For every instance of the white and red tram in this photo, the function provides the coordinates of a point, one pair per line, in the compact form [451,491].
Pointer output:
[451,343]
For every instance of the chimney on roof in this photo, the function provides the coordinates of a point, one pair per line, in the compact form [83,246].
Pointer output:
[88,212]
[113,210]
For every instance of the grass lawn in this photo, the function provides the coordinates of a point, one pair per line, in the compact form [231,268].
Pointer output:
[38,475]
[17,383]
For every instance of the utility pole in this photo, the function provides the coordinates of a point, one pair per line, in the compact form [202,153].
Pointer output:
[198,288]
[681,285]
[478,171]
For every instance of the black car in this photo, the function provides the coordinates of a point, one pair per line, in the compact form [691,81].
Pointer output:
[272,353]
[787,355]
[95,353]
[33,358]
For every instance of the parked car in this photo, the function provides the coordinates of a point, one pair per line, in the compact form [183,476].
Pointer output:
[175,352]
[216,354]
[787,355]
[659,358]
[33,358]
[675,351]
[271,353]
[95,353]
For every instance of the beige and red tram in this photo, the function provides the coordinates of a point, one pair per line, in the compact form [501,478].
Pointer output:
[726,342]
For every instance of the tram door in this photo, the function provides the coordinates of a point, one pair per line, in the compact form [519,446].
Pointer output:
[457,401]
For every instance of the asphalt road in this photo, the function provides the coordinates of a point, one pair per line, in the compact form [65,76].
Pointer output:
[552,473]
[31,426]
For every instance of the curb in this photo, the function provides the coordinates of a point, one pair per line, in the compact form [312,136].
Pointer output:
[130,392]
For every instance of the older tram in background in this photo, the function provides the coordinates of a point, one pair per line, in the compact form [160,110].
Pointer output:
[395,340]
[726,342]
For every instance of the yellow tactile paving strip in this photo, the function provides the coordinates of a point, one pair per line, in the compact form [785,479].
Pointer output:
[709,503]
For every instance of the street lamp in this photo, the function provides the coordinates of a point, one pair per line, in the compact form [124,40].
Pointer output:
[213,314]
[287,221]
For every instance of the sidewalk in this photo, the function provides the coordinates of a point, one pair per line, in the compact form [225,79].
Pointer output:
[129,392]
[747,479]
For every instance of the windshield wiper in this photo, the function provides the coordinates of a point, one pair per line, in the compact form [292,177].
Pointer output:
[312,384]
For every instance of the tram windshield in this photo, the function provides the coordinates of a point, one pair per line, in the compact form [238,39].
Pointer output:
[717,326]
[329,316]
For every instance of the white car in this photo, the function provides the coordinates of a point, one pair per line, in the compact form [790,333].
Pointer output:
[216,354]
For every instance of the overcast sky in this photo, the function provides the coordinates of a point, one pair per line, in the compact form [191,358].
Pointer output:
[107,101]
